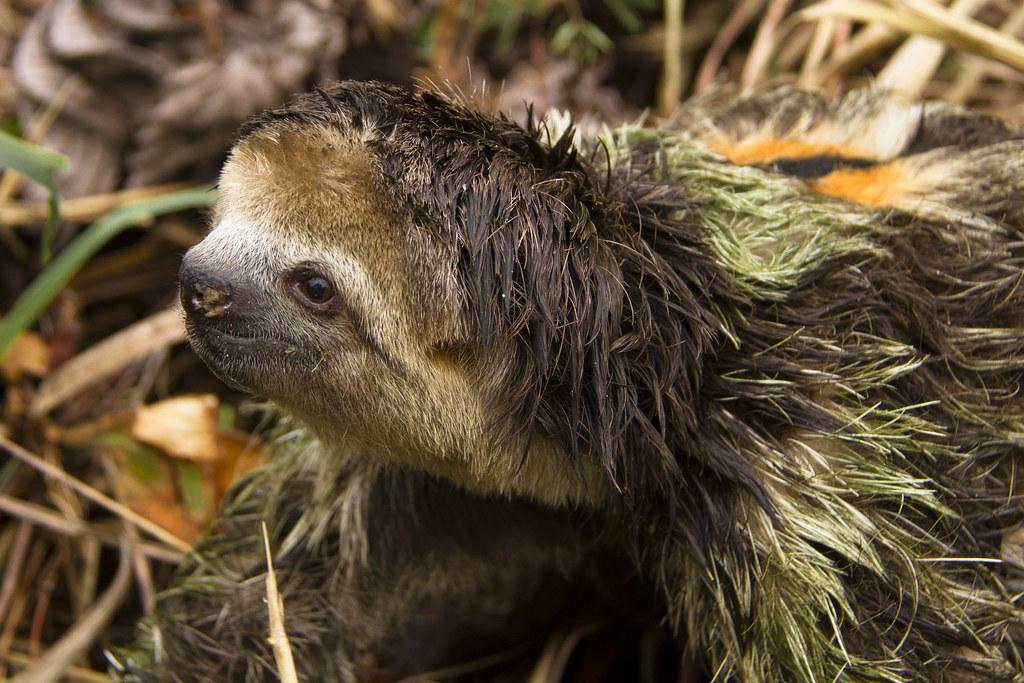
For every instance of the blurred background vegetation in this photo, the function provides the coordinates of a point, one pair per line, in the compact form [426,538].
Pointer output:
[114,118]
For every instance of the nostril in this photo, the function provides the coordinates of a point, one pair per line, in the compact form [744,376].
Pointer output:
[210,298]
[204,294]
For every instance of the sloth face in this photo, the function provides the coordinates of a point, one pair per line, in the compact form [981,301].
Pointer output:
[315,289]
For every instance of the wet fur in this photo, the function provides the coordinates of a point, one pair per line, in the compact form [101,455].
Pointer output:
[795,419]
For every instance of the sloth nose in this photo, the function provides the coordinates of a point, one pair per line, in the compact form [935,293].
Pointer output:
[203,295]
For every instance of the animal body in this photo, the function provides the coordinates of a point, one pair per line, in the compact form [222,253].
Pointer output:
[756,373]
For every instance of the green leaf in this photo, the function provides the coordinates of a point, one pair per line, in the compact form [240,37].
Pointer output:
[10,126]
[41,165]
[582,40]
[144,459]
[32,161]
[226,416]
[596,37]
[629,19]
[564,36]
[38,295]
[190,480]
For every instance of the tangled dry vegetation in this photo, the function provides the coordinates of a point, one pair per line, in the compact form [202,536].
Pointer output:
[117,444]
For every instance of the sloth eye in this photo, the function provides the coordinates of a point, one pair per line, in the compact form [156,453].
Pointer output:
[317,289]
[312,289]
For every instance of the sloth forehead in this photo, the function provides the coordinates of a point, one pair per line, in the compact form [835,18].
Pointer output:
[298,193]
[307,183]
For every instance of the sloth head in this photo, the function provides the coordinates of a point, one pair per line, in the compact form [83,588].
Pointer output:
[422,283]
[329,284]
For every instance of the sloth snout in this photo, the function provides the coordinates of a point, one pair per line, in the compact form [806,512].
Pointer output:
[203,294]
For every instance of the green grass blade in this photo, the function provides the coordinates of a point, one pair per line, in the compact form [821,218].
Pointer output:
[32,161]
[38,295]
[41,165]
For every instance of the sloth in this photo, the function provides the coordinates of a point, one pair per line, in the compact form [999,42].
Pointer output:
[754,375]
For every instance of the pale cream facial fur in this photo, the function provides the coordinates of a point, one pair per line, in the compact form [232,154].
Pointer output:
[396,374]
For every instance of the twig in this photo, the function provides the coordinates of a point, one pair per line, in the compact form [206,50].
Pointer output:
[926,18]
[45,586]
[734,24]
[868,42]
[209,15]
[92,494]
[912,66]
[278,636]
[15,559]
[143,575]
[79,637]
[83,209]
[976,69]
[47,519]
[764,44]
[103,359]
[73,674]
[672,79]
[809,70]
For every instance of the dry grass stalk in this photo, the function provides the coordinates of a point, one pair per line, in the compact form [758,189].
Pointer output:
[765,43]
[51,665]
[975,69]
[14,562]
[278,636]
[928,19]
[464,668]
[30,570]
[72,674]
[32,513]
[914,64]
[824,31]
[209,20]
[83,209]
[794,48]
[102,360]
[731,29]
[864,45]
[92,494]
[671,91]
[550,667]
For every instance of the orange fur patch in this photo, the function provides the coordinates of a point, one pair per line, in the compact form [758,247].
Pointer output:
[752,152]
[877,186]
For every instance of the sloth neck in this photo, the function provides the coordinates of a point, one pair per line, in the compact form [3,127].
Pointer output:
[543,473]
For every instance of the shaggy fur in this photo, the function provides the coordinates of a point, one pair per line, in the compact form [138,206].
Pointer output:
[678,361]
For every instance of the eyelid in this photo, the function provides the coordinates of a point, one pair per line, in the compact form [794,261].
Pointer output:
[297,276]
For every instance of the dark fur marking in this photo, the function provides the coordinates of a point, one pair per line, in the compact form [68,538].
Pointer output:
[818,165]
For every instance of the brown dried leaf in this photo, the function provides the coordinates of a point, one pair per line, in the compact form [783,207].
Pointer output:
[183,426]
[28,356]
[152,99]
[242,453]
[168,514]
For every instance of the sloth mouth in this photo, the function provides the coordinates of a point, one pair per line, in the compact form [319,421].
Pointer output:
[262,342]
[221,349]
[241,338]
[255,363]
